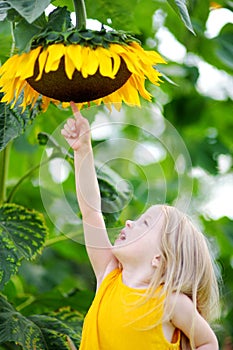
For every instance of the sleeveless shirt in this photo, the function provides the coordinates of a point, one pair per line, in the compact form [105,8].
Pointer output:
[114,322]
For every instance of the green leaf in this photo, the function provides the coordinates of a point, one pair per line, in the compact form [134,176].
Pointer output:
[224,50]
[115,192]
[180,8]
[59,20]
[23,234]
[28,9]
[14,327]
[45,332]
[120,13]
[5,40]
[13,122]
[24,32]
[4,7]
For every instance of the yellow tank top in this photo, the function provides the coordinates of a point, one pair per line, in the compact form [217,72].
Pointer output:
[114,323]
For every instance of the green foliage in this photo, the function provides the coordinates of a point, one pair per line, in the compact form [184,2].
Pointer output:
[180,7]
[13,123]
[23,234]
[30,10]
[58,330]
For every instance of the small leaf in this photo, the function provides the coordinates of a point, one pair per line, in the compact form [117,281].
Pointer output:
[29,10]
[87,35]
[180,8]
[59,20]
[23,234]
[74,38]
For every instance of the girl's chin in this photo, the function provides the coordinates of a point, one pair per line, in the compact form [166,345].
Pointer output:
[119,241]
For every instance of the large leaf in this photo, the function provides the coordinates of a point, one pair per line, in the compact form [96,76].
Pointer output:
[13,122]
[24,32]
[180,7]
[29,9]
[60,330]
[4,7]
[118,14]
[23,234]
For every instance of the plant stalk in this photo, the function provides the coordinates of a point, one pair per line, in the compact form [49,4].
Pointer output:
[80,12]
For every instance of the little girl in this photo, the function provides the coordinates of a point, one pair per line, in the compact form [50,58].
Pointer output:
[156,286]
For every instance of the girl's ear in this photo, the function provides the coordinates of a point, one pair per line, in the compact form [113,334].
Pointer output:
[156,261]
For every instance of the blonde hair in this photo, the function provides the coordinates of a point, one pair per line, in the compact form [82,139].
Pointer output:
[186,267]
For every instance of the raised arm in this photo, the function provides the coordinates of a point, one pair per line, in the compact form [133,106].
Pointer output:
[77,133]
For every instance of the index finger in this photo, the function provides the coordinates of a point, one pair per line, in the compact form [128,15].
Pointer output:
[75,110]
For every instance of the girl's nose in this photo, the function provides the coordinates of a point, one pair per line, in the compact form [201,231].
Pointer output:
[129,223]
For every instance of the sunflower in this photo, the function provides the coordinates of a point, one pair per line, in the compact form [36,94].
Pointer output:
[81,66]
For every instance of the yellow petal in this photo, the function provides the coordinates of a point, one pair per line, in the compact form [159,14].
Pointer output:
[92,62]
[65,104]
[27,97]
[19,87]
[129,94]
[69,67]
[74,53]
[152,74]
[84,69]
[21,63]
[34,97]
[116,62]
[10,65]
[45,103]
[27,65]
[155,57]
[117,48]
[105,62]
[42,61]
[55,53]
[131,63]
[9,90]
[139,82]
[80,105]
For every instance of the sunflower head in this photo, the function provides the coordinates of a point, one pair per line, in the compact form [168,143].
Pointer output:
[79,65]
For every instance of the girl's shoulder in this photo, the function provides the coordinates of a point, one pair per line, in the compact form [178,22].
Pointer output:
[111,271]
[180,303]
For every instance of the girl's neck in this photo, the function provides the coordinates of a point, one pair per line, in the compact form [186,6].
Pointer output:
[136,278]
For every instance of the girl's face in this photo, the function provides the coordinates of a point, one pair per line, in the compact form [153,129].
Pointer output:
[145,232]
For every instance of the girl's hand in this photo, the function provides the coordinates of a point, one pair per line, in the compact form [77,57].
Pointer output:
[77,131]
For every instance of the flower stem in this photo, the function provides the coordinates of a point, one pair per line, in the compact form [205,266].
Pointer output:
[80,11]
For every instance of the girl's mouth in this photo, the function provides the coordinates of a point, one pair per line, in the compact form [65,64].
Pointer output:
[121,236]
